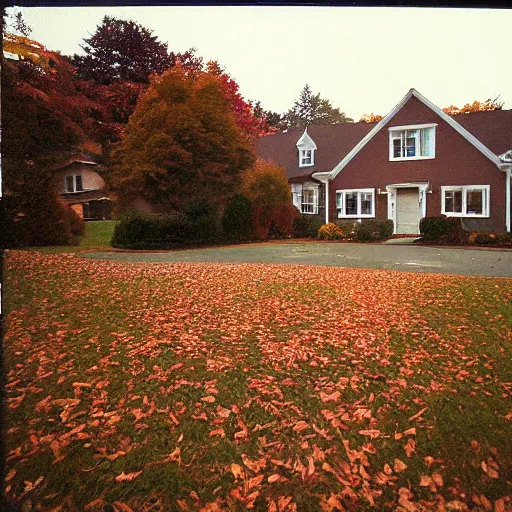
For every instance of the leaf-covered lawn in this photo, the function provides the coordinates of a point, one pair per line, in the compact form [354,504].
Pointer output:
[199,386]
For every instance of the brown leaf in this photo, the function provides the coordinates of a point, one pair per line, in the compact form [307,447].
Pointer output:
[218,432]
[237,471]
[274,478]
[425,481]
[399,466]
[122,507]
[418,414]
[438,479]
[127,477]
[410,447]
[210,399]
[371,433]
[254,481]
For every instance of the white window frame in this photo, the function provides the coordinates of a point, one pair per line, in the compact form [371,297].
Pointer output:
[486,200]
[418,127]
[74,176]
[302,157]
[341,203]
[298,198]
[314,204]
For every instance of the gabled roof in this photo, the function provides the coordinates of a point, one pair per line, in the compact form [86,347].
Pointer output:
[333,142]
[306,142]
[492,131]
[450,120]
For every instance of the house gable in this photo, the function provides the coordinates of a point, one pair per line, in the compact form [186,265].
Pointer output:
[389,117]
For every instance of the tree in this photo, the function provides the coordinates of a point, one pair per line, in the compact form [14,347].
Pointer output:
[244,112]
[312,109]
[122,50]
[182,143]
[370,118]
[275,122]
[266,185]
[476,106]
[45,124]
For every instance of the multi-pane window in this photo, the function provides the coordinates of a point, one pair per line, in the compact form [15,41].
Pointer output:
[355,203]
[465,201]
[412,143]
[74,183]
[310,200]
[306,157]
[305,198]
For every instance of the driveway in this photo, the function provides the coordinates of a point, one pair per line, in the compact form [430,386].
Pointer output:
[471,262]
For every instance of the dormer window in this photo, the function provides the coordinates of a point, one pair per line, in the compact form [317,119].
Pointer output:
[306,146]
[306,157]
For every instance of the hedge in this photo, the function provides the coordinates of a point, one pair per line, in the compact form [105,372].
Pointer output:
[442,229]
[306,226]
[372,230]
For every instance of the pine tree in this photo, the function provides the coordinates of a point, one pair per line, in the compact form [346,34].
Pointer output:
[311,109]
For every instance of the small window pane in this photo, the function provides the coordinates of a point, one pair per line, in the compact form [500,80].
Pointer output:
[397,148]
[453,201]
[411,143]
[79,183]
[426,145]
[474,200]
[69,184]
[366,203]
[338,200]
[351,203]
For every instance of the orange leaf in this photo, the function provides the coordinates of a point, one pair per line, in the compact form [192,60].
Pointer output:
[438,479]
[274,478]
[254,481]
[208,399]
[127,477]
[410,447]
[218,432]
[399,466]
[237,471]
[425,481]
[372,433]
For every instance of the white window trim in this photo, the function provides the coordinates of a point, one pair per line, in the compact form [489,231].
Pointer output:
[412,127]
[315,201]
[486,200]
[359,215]
[301,151]
[74,191]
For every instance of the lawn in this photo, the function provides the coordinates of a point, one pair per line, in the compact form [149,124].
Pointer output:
[97,236]
[206,386]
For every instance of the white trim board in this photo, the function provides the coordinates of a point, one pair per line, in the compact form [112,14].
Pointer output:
[413,92]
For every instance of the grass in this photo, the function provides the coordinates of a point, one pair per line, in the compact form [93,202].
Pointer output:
[226,387]
[97,236]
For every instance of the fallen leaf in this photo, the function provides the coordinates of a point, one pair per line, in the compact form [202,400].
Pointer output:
[237,471]
[127,477]
[399,466]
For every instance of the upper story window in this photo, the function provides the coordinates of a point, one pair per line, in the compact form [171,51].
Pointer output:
[465,201]
[73,183]
[306,157]
[412,142]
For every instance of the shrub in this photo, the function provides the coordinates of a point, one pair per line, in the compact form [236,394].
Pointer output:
[273,221]
[330,231]
[75,224]
[348,229]
[237,218]
[372,230]
[442,229]
[139,231]
[306,226]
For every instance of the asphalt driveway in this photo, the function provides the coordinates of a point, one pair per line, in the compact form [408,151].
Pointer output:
[471,262]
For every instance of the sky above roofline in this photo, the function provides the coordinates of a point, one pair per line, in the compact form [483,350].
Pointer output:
[362,59]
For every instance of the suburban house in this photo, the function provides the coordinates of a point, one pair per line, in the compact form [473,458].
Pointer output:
[416,162]
[83,189]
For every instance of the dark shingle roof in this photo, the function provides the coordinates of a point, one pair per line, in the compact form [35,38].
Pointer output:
[334,142]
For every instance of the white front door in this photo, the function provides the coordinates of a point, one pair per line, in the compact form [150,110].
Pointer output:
[408,211]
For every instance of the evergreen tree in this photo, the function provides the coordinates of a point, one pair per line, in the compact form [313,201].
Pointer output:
[312,109]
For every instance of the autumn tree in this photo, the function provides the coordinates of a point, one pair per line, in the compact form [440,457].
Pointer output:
[246,118]
[310,109]
[182,143]
[476,106]
[266,185]
[46,123]
[274,121]
[121,50]
[370,118]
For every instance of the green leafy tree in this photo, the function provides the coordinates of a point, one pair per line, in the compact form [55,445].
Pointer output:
[122,50]
[182,143]
[311,109]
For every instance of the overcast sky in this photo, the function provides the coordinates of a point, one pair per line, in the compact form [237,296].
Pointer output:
[361,59]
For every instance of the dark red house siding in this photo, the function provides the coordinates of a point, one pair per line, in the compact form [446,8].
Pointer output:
[456,162]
